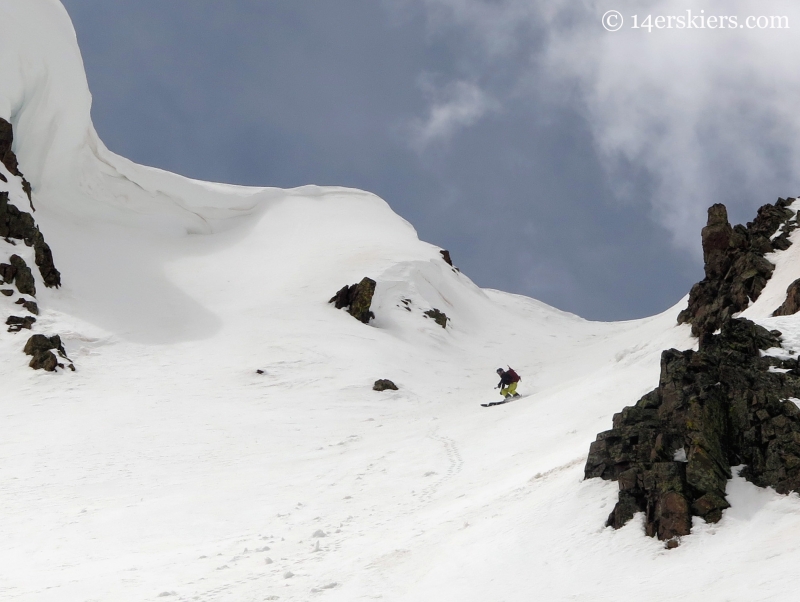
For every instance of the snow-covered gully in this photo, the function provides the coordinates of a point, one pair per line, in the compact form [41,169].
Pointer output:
[220,439]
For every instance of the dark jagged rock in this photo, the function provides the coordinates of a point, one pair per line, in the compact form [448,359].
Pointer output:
[13,222]
[39,343]
[41,348]
[792,304]
[716,238]
[16,323]
[437,316]
[384,385]
[357,299]
[23,277]
[44,261]
[448,260]
[31,306]
[7,156]
[7,273]
[7,292]
[45,361]
[20,225]
[341,299]
[736,270]
[714,408]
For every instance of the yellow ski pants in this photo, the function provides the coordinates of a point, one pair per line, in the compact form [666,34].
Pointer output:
[509,390]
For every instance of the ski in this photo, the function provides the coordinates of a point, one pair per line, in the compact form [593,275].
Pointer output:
[499,403]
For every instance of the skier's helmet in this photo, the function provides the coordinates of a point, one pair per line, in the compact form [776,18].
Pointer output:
[499,370]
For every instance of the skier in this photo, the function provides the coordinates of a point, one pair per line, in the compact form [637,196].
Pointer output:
[508,382]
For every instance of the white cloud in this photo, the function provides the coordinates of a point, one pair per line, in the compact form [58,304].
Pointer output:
[455,106]
[710,115]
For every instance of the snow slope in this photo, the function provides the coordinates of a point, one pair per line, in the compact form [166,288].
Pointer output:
[167,467]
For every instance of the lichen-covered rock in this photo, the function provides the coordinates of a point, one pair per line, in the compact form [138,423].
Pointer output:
[792,304]
[23,277]
[718,407]
[437,316]
[384,385]
[357,299]
[736,270]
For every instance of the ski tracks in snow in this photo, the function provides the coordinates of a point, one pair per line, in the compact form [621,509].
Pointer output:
[455,465]
[297,562]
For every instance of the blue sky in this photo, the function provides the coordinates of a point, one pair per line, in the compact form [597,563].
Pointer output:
[550,157]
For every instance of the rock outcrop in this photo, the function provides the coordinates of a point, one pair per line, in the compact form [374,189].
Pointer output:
[357,299]
[41,348]
[23,277]
[792,304]
[736,270]
[16,323]
[727,404]
[31,306]
[721,406]
[8,158]
[16,224]
[384,384]
[437,316]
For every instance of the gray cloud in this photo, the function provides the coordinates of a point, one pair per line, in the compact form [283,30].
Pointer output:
[708,115]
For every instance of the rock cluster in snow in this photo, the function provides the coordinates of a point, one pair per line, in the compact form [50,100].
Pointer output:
[718,407]
[18,323]
[724,405]
[41,348]
[19,225]
[437,316]
[8,158]
[18,273]
[357,299]
[736,270]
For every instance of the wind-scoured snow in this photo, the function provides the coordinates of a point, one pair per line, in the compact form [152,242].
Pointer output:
[166,467]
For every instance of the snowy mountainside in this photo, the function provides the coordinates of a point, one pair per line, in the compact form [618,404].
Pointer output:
[786,271]
[45,95]
[167,467]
